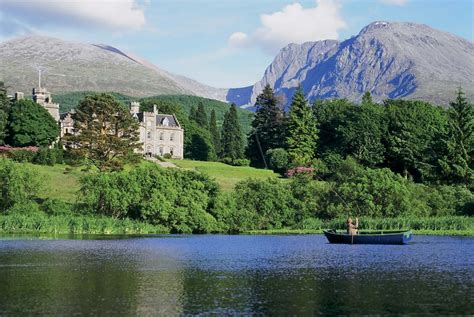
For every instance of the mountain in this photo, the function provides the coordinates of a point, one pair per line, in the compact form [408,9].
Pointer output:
[391,60]
[70,66]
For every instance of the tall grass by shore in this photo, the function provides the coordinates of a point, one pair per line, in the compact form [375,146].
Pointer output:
[75,224]
[40,223]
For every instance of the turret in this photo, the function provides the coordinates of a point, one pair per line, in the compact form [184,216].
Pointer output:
[134,107]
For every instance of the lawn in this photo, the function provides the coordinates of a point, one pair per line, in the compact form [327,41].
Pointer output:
[227,176]
[58,181]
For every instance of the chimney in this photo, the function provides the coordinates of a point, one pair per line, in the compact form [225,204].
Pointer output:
[154,109]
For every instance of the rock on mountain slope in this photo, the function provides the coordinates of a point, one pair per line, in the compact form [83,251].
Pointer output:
[72,66]
[390,60]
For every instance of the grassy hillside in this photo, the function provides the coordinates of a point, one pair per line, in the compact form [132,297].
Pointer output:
[68,101]
[227,176]
[62,181]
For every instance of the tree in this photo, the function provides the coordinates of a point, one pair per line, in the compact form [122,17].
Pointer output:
[201,116]
[361,132]
[232,143]
[411,135]
[457,162]
[4,108]
[198,143]
[330,114]
[268,131]
[216,136]
[106,132]
[302,130]
[29,124]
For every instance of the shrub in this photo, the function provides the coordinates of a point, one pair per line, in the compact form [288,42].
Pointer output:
[56,207]
[23,156]
[46,156]
[278,160]
[179,200]
[167,156]
[18,184]
[235,162]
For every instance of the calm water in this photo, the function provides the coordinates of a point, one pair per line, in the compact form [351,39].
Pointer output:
[215,275]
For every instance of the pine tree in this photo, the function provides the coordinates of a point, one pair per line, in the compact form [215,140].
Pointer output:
[302,130]
[4,107]
[107,133]
[216,137]
[201,116]
[267,127]
[232,143]
[457,163]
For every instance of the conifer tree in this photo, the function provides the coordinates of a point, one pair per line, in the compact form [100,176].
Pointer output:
[201,116]
[4,105]
[302,130]
[267,127]
[107,133]
[457,163]
[216,137]
[232,143]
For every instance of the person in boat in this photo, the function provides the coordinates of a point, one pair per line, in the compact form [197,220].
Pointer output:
[351,227]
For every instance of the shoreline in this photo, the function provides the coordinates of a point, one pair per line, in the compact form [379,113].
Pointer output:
[85,235]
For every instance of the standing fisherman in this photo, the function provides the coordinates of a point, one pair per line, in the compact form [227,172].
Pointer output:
[352,228]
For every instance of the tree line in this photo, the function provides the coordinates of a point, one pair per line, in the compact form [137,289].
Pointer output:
[415,139]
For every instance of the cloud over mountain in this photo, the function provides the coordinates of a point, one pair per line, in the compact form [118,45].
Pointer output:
[293,24]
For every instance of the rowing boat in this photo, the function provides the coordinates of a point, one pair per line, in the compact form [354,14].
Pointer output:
[369,237]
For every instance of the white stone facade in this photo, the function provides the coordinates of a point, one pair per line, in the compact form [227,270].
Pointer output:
[160,134]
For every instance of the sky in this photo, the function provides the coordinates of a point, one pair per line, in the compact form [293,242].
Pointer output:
[221,43]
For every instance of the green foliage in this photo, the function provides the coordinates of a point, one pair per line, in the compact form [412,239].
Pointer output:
[29,219]
[22,156]
[201,116]
[268,204]
[29,124]
[232,145]
[457,145]
[268,127]
[198,143]
[216,135]
[278,160]
[179,200]
[361,133]
[4,109]
[53,206]
[413,127]
[46,156]
[302,132]
[235,162]
[107,133]
[18,184]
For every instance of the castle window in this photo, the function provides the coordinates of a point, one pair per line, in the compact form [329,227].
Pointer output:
[148,123]
[171,151]
[162,136]
[172,137]
[161,151]
[148,134]
[165,122]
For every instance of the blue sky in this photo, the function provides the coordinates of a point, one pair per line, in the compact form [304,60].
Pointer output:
[226,43]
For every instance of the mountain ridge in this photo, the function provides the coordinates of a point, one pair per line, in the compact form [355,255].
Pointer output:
[389,59]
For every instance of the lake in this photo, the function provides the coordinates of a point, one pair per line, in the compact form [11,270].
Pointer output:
[234,275]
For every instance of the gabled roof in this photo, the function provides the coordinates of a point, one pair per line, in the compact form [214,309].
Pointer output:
[161,118]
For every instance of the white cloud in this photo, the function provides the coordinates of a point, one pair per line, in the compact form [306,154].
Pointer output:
[111,14]
[293,24]
[394,2]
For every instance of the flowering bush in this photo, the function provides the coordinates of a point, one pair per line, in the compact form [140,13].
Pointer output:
[299,170]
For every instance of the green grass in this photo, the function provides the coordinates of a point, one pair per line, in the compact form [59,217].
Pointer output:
[227,176]
[58,181]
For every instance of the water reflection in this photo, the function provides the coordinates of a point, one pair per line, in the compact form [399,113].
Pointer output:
[267,275]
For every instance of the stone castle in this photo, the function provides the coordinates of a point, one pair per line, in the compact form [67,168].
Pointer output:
[160,134]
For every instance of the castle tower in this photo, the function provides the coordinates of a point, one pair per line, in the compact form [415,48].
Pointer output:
[134,107]
[43,97]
